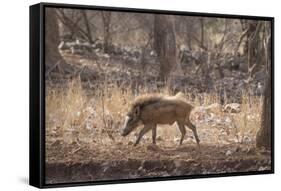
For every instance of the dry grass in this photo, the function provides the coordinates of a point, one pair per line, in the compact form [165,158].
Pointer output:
[73,116]
[248,121]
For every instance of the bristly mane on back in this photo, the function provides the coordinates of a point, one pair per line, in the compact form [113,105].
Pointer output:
[144,100]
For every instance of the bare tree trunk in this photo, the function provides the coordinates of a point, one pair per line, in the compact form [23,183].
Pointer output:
[165,44]
[263,138]
[52,55]
[202,31]
[251,30]
[106,18]
[87,25]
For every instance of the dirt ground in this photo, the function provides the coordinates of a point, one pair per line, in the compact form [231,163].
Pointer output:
[78,162]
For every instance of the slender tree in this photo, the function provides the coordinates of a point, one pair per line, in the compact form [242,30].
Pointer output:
[52,54]
[263,138]
[87,26]
[106,18]
[165,44]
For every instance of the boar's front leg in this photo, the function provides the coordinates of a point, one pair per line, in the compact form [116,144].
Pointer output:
[142,132]
[182,130]
[154,135]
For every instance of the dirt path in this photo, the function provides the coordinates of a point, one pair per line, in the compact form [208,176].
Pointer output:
[121,161]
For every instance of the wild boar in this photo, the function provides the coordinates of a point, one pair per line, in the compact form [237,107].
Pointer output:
[150,110]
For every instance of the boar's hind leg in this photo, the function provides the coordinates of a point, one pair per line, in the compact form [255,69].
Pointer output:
[182,130]
[142,132]
[194,130]
[154,135]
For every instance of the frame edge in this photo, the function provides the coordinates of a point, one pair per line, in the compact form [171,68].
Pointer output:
[36,168]
[35,164]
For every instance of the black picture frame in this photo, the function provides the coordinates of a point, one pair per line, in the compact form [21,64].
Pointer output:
[37,94]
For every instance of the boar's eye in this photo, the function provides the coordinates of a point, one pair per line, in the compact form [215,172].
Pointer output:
[137,111]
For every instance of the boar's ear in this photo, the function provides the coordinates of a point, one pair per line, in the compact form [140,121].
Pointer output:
[137,111]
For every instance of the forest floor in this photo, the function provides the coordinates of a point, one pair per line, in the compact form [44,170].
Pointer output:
[78,162]
[83,142]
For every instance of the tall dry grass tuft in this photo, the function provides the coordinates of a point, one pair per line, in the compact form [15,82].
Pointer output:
[248,121]
[75,117]
[65,111]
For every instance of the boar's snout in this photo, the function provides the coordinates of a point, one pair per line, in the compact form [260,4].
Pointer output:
[123,133]
[124,130]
